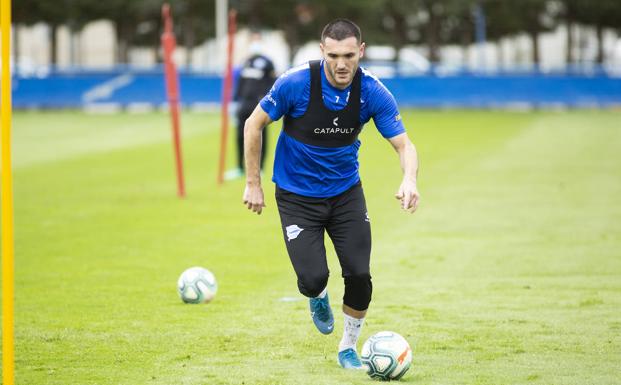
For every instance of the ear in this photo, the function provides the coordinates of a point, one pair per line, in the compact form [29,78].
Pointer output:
[362,49]
[322,50]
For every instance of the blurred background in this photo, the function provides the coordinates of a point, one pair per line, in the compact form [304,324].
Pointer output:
[509,273]
[465,53]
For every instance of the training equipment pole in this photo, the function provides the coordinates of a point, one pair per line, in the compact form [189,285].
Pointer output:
[6,195]
[226,94]
[172,91]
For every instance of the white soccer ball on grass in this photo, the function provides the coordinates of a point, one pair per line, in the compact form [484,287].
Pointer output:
[387,356]
[197,285]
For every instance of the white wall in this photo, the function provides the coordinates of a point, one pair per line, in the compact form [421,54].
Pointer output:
[33,45]
[95,47]
[211,55]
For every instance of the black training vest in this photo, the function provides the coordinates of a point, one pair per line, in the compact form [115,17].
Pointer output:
[320,126]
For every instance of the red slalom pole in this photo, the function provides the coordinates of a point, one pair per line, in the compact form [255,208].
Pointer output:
[172,91]
[226,94]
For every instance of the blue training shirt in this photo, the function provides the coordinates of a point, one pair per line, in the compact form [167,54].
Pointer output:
[324,172]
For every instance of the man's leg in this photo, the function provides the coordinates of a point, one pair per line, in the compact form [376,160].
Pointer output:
[350,231]
[241,121]
[238,171]
[303,230]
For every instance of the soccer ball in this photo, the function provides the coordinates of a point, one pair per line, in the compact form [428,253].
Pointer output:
[387,356]
[197,285]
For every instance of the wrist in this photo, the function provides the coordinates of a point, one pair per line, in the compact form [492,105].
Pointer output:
[253,182]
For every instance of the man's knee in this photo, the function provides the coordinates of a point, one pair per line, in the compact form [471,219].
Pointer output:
[312,286]
[358,290]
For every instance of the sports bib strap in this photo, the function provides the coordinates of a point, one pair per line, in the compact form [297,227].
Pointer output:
[322,127]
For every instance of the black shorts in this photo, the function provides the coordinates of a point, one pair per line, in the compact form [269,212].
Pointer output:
[345,219]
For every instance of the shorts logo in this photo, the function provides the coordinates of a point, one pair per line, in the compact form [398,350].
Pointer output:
[367,219]
[293,231]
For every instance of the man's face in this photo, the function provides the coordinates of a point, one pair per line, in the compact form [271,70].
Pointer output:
[341,59]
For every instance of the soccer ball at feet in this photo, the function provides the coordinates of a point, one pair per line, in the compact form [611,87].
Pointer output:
[197,285]
[387,356]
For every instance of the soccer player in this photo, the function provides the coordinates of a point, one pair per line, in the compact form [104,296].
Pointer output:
[325,104]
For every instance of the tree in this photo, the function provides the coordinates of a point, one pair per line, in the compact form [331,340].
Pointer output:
[197,21]
[126,16]
[25,12]
[569,13]
[602,14]
[54,14]
[508,18]
[303,20]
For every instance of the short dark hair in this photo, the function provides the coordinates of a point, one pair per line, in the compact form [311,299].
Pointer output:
[340,29]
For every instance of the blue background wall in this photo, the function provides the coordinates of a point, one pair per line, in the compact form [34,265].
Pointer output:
[124,87]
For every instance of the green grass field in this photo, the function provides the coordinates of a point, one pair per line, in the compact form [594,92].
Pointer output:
[510,273]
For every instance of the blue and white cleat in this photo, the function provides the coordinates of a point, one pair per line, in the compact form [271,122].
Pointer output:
[348,359]
[322,314]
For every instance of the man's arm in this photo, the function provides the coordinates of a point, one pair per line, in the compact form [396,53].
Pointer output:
[253,135]
[408,193]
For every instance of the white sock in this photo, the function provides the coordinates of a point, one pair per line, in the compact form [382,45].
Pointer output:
[351,332]
[323,293]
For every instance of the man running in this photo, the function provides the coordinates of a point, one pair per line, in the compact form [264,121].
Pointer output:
[325,104]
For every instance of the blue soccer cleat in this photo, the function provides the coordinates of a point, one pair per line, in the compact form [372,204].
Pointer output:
[348,359]
[322,314]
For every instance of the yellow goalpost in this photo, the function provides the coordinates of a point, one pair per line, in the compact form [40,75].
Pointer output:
[6,196]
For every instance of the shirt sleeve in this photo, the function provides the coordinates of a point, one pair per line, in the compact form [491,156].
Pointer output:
[385,113]
[283,95]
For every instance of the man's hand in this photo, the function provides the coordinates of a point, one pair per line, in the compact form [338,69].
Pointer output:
[253,198]
[408,195]
[253,135]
